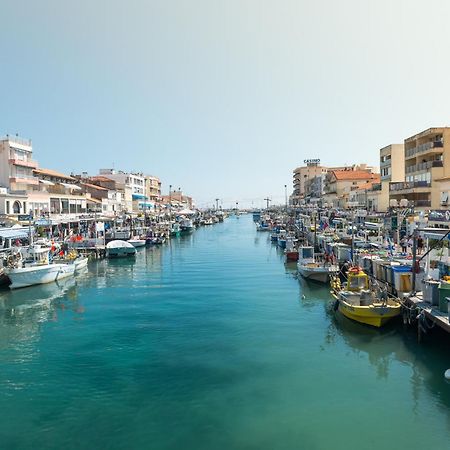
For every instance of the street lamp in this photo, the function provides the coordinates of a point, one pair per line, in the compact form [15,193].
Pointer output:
[285,196]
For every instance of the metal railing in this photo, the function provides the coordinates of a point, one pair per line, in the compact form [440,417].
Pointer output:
[408,185]
[423,148]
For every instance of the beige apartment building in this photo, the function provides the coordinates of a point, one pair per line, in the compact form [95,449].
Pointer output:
[152,188]
[427,165]
[392,169]
[340,184]
[302,174]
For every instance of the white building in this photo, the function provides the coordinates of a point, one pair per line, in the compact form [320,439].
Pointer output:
[133,185]
[16,164]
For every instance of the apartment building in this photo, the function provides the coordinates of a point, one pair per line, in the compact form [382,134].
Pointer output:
[17,164]
[392,169]
[152,188]
[339,185]
[427,165]
[302,175]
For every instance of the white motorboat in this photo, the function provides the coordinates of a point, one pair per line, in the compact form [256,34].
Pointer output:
[119,249]
[309,268]
[137,242]
[35,268]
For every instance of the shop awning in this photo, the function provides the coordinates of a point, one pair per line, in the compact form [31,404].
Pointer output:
[139,197]
[47,183]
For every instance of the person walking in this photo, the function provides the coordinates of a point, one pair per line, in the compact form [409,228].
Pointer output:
[420,245]
[404,243]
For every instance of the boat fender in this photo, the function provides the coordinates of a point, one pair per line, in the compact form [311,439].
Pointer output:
[447,374]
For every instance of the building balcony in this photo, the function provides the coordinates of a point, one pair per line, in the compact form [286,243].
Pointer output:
[24,180]
[424,166]
[409,187]
[423,203]
[28,163]
[428,147]
[386,163]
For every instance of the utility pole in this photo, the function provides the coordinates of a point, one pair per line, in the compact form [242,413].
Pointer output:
[267,200]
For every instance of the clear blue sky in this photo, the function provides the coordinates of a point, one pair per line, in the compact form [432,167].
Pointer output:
[221,98]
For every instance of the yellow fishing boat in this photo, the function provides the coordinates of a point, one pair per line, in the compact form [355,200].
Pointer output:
[359,301]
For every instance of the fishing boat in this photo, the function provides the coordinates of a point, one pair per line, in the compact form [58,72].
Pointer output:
[362,302]
[175,229]
[256,215]
[137,242]
[311,269]
[187,226]
[35,268]
[281,241]
[291,251]
[119,249]
[262,226]
[156,239]
[78,261]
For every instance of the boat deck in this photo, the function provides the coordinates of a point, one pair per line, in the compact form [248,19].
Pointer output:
[431,312]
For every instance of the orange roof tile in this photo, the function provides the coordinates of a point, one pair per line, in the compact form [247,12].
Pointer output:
[355,175]
[53,173]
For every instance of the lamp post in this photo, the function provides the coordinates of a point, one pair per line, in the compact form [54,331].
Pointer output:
[285,196]
[170,201]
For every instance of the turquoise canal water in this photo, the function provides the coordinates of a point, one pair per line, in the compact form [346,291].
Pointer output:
[210,343]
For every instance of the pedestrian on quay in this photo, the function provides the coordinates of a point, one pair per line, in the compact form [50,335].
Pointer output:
[420,244]
[410,243]
[404,243]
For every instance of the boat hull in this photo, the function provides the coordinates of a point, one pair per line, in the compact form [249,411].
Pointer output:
[30,276]
[321,276]
[373,316]
[80,263]
[137,243]
[121,252]
[292,256]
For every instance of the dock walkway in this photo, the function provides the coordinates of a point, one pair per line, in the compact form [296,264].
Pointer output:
[438,317]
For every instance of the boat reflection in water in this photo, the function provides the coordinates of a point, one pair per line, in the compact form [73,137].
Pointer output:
[386,347]
[23,311]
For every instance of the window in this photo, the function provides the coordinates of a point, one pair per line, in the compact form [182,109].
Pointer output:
[16,207]
[7,206]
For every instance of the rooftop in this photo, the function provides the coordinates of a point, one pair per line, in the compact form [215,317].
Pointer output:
[100,178]
[343,175]
[53,173]
[100,188]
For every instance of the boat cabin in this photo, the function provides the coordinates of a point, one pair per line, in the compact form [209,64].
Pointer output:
[357,280]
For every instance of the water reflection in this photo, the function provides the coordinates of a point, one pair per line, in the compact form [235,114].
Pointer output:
[393,343]
[22,311]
